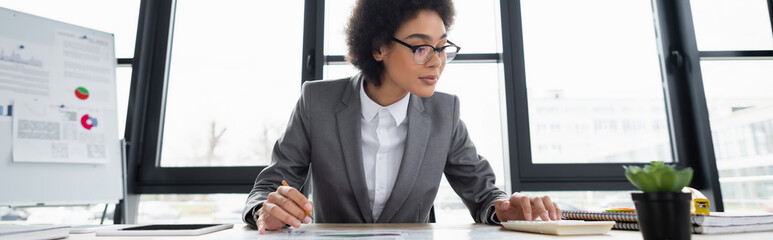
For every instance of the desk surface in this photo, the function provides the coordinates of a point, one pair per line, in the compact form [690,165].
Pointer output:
[435,230]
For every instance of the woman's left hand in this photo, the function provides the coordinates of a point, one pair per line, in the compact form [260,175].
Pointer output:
[523,207]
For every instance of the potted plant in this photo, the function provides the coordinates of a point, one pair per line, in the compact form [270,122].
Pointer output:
[663,209]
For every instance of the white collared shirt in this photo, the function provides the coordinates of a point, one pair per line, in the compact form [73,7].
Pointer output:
[384,130]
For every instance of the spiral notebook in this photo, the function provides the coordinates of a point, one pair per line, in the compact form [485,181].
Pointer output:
[717,222]
[706,229]
[714,219]
[600,216]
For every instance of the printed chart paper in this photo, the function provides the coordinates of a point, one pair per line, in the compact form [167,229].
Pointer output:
[45,132]
[60,91]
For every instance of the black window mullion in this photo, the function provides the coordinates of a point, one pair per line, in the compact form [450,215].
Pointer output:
[734,55]
[143,112]
[335,59]
[515,91]
[155,110]
[478,57]
[462,57]
[184,180]
[313,37]
[124,62]
[770,15]
[691,133]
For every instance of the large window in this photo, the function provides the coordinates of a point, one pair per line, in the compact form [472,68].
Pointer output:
[594,86]
[592,92]
[741,110]
[233,81]
[735,40]
[586,94]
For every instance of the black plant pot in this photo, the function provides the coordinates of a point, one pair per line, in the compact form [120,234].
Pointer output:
[663,215]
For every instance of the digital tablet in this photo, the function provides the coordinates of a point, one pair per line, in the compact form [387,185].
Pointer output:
[165,230]
[79,229]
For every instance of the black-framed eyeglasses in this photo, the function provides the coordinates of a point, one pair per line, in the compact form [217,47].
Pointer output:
[422,53]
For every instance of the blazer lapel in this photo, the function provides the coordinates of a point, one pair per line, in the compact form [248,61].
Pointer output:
[348,118]
[415,146]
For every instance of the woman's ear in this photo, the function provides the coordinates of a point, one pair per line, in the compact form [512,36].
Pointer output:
[378,55]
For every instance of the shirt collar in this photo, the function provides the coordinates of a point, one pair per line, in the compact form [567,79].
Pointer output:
[398,110]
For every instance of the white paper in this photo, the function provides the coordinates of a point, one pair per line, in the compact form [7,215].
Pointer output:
[60,92]
[25,68]
[335,234]
[48,132]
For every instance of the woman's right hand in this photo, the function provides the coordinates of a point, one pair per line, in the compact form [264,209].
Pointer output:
[284,206]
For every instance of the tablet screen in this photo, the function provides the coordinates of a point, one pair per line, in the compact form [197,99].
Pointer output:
[169,227]
[165,230]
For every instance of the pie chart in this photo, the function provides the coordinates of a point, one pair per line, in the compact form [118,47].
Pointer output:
[82,93]
[88,122]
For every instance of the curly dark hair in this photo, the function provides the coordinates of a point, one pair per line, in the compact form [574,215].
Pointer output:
[374,22]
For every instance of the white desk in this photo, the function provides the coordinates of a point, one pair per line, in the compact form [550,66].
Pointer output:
[438,231]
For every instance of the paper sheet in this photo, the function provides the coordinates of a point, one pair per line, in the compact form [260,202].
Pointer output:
[56,95]
[46,132]
[343,234]
[461,234]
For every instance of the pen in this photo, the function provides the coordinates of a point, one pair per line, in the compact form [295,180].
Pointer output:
[284,183]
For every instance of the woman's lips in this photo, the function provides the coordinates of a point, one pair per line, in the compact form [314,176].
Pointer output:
[431,80]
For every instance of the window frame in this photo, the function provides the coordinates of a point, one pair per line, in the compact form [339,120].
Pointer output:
[685,100]
[146,116]
[721,56]
[687,112]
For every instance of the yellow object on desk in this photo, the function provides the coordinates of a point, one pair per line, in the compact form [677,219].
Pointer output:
[699,204]
[632,210]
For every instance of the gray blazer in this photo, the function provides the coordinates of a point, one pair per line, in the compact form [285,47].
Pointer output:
[324,135]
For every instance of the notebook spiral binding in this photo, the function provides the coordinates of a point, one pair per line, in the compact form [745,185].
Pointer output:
[626,226]
[600,216]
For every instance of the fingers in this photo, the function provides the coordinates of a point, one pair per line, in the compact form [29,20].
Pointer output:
[550,207]
[530,208]
[284,206]
[539,209]
[275,211]
[266,222]
[287,205]
[307,217]
[502,205]
[296,196]
[262,227]
[525,206]
[309,213]
[261,224]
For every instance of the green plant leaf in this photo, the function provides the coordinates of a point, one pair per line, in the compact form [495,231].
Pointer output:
[683,178]
[658,177]
[639,179]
